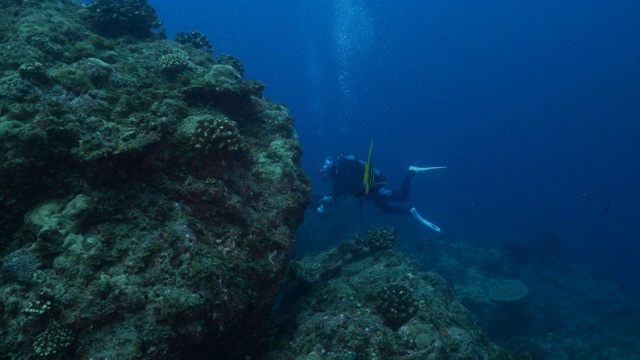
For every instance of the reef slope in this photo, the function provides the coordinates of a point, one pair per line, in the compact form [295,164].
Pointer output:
[148,192]
[364,300]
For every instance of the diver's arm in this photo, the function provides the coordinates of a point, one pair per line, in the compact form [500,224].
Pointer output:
[325,202]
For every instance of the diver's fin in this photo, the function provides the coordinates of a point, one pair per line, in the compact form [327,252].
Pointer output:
[422,220]
[421,169]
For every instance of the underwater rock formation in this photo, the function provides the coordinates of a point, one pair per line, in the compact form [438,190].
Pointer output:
[379,306]
[234,62]
[116,18]
[507,290]
[195,39]
[142,215]
[378,239]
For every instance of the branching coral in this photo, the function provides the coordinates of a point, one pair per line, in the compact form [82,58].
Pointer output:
[211,133]
[53,340]
[174,63]
[396,305]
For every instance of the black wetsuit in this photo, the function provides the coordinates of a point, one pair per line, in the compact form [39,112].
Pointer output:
[347,174]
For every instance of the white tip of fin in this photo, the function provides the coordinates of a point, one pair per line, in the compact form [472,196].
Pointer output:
[423,221]
[421,169]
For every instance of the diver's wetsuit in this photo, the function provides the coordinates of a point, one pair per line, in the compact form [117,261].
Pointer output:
[347,175]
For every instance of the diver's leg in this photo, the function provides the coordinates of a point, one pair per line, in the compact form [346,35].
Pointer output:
[406,184]
[383,205]
[404,190]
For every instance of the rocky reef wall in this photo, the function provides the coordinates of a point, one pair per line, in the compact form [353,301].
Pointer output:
[148,192]
[364,300]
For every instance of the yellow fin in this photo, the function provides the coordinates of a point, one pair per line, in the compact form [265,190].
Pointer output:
[369,176]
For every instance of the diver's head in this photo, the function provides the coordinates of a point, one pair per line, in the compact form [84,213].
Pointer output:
[327,169]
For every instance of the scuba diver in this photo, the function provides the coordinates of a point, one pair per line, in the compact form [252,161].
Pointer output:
[346,172]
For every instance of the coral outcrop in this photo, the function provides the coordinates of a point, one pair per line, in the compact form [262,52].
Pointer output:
[507,290]
[232,61]
[378,239]
[375,307]
[195,39]
[396,305]
[174,63]
[142,215]
[212,133]
[122,17]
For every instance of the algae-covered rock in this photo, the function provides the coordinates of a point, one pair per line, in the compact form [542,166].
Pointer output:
[58,215]
[378,239]
[122,17]
[196,39]
[224,86]
[377,306]
[234,62]
[98,71]
[507,290]
[151,222]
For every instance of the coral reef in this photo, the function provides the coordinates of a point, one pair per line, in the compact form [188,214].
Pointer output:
[234,62]
[20,266]
[174,63]
[142,215]
[507,290]
[378,239]
[32,72]
[375,307]
[122,17]
[212,133]
[195,39]
[528,300]
[224,87]
[53,340]
[396,305]
[382,238]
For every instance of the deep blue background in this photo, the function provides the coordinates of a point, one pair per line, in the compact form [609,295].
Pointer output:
[533,105]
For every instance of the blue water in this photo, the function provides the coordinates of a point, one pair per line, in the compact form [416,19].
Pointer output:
[533,106]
